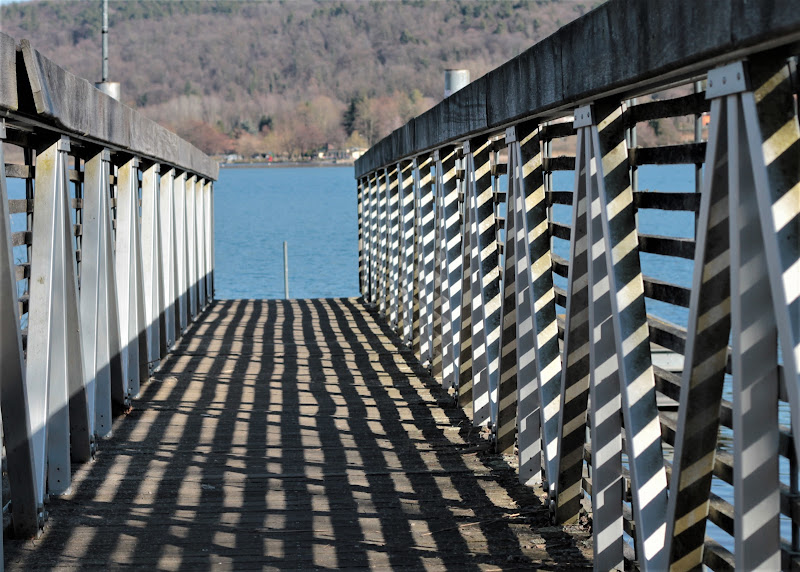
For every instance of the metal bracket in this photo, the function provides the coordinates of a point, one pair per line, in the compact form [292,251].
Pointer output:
[727,80]
[511,135]
[465,147]
[63,143]
[435,155]
[2,128]
[583,117]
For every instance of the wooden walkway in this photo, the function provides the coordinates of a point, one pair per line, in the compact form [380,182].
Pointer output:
[296,435]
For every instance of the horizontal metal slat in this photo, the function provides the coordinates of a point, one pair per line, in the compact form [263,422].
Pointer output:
[499,169]
[564,163]
[666,335]
[22,238]
[667,246]
[686,154]
[559,198]
[692,104]
[666,292]
[23,270]
[667,201]
[557,130]
[14,171]
[561,300]
[717,557]
[18,206]
[559,230]
[560,265]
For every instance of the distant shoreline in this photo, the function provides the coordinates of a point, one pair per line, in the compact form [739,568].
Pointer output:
[282,165]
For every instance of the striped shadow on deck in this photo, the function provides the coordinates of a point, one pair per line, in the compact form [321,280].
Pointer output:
[295,435]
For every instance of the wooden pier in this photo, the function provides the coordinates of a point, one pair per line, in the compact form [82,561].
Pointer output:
[493,400]
[297,435]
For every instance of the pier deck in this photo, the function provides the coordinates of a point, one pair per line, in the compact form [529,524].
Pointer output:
[296,435]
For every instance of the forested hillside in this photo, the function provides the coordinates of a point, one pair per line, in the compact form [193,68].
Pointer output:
[287,76]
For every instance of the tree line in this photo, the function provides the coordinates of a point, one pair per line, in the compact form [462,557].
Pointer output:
[286,77]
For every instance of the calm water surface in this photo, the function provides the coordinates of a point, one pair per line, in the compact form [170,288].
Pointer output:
[313,209]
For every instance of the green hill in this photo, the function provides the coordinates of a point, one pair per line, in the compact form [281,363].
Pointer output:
[288,76]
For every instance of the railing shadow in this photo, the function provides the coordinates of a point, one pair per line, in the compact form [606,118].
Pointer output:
[294,435]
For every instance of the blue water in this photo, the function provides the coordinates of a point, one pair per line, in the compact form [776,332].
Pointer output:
[312,209]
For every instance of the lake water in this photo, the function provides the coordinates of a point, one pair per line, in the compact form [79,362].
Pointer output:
[313,209]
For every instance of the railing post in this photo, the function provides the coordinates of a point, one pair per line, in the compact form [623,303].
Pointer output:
[575,370]
[383,241]
[750,197]
[393,245]
[99,308]
[361,233]
[200,208]
[538,355]
[26,504]
[465,385]
[191,244]
[406,190]
[169,262]
[604,378]
[182,293]
[372,249]
[506,422]
[485,282]
[55,377]
[209,241]
[425,259]
[770,188]
[705,357]
[620,359]
[450,247]
[152,265]
[130,285]
[438,256]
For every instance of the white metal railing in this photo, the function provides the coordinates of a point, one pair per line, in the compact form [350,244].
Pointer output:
[540,329]
[103,265]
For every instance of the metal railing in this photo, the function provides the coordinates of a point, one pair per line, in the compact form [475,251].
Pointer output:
[106,257]
[549,333]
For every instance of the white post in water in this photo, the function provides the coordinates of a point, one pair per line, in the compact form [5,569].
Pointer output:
[285,270]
